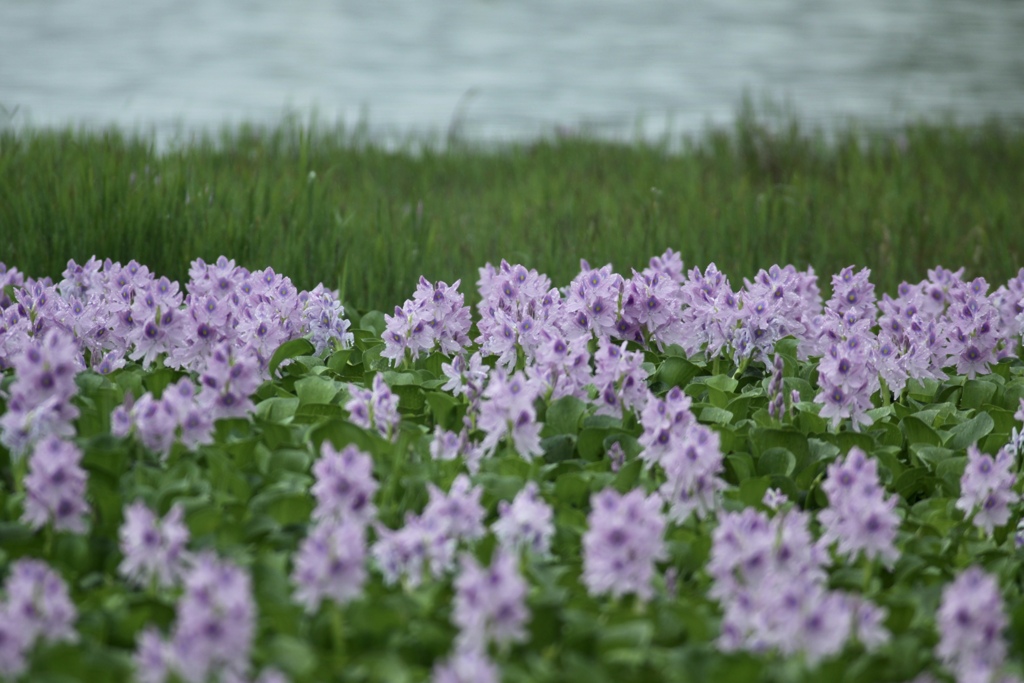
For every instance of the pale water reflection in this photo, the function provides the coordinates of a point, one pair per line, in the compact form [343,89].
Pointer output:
[505,68]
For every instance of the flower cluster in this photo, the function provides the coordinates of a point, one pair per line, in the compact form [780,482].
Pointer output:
[429,541]
[180,414]
[971,621]
[619,378]
[507,411]
[55,487]
[688,452]
[860,517]
[331,561]
[40,404]
[769,575]
[36,608]
[623,541]
[986,488]
[490,602]
[213,629]
[525,523]
[154,551]
[375,408]
[436,317]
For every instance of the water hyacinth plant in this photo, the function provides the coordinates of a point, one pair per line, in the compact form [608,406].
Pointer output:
[643,478]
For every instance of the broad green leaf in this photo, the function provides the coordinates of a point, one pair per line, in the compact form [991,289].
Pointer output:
[970,432]
[314,389]
[563,416]
[917,432]
[711,414]
[677,372]
[776,461]
[290,349]
[277,410]
[977,392]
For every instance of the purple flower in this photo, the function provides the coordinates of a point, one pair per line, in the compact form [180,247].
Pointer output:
[986,488]
[331,563]
[490,602]
[39,604]
[623,542]
[215,622]
[55,487]
[525,523]
[451,445]
[40,397]
[14,645]
[971,620]
[507,411]
[620,380]
[429,541]
[154,551]
[692,468]
[860,517]
[345,486]
[466,666]
[375,408]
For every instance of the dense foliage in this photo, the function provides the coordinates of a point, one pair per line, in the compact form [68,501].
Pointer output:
[629,478]
[339,206]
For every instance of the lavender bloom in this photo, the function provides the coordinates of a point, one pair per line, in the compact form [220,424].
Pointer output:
[619,378]
[153,551]
[375,408]
[860,517]
[853,293]
[526,523]
[466,666]
[331,563]
[215,623]
[153,657]
[665,421]
[490,602]
[429,541]
[450,445]
[344,485]
[228,382]
[465,377]
[693,468]
[623,542]
[561,365]
[847,380]
[710,312]
[592,301]
[507,411]
[986,488]
[445,313]
[323,319]
[38,603]
[40,397]
[769,576]
[14,646]
[55,487]
[971,621]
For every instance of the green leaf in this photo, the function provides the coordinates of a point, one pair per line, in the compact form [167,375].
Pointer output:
[290,349]
[752,490]
[723,383]
[776,461]
[917,432]
[677,372]
[277,410]
[563,416]
[711,414]
[442,406]
[970,432]
[977,392]
[912,482]
[558,448]
[314,389]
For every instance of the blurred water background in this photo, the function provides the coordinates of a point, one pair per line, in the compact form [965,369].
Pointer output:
[504,69]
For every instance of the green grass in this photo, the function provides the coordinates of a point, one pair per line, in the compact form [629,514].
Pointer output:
[373,219]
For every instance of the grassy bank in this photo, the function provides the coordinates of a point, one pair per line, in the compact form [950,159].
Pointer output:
[322,205]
